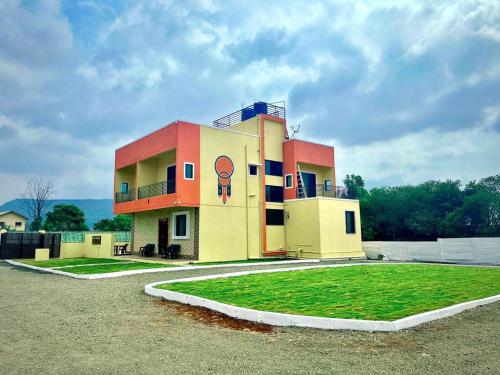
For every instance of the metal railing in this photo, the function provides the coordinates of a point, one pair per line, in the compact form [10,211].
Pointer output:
[158,188]
[327,191]
[125,197]
[249,112]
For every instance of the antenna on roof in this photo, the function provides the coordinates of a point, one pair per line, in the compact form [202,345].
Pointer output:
[295,130]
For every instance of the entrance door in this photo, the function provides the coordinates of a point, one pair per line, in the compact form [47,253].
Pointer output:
[171,179]
[162,235]
[309,183]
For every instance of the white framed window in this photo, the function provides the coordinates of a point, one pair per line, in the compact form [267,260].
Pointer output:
[188,171]
[288,181]
[253,170]
[181,225]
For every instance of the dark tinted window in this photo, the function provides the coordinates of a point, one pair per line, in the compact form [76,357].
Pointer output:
[350,223]
[274,193]
[180,225]
[252,170]
[274,168]
[288,181]
[275,217]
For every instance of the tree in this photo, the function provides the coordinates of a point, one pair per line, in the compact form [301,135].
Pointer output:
[35,198]
[355,186]
[118,224]
[65,217]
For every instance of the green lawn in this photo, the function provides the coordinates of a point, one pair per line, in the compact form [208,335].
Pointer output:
[260,260]
[105,268]
[67,262]
[100,265]
[378,292]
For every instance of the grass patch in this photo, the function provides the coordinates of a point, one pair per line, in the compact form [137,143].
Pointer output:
[67,262]
[378,292]
[260,260]
[105,268]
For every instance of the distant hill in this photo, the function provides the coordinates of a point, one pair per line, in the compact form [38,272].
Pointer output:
[94,209]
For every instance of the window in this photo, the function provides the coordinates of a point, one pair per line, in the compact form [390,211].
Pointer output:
[188,171]
[252,170]
[18,224]
[350,223]
[2,224]
[274,168]
[328,185]
[274,193]
[288,181]
[180,225]
[275,217]
[124,187]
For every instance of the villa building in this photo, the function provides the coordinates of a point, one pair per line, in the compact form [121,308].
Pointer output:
[240,189]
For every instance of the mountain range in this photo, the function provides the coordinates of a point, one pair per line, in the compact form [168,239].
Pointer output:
[94,209]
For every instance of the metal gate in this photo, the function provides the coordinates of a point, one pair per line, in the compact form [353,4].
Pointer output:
[19,245]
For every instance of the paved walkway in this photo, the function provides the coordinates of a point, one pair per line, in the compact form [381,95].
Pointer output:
[52,324]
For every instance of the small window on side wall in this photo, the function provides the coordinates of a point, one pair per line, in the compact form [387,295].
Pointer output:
[275,216]
[180,224]
[328,185]
[18,224]
[350,222]
[252,170]
[288,181]
[188,171]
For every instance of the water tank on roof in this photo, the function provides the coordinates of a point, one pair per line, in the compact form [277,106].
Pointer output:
[253,110]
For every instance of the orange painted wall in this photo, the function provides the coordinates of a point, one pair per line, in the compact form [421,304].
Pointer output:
[295,151]
[185,138]
[150,145]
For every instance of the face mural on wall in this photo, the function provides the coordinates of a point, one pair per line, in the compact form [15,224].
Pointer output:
[224,168]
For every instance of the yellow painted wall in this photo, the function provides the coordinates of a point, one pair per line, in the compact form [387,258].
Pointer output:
[322,173]
[162,162]
[72,250]
[250,126]
[126,174]
[317,226]
[225,229]
[273,141]
[10,219]
[104,250]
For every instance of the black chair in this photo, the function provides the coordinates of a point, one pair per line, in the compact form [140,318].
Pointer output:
[147,251]
[162,252]
[123,249]
[173,251]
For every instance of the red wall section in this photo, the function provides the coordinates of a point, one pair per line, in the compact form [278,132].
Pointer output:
[188,150]
[152,144]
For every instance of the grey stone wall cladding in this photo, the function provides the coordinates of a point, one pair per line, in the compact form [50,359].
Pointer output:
[145,230]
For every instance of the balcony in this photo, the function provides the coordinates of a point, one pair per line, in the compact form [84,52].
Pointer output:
[125,197]
[249,112]
[325,191]
[158,188]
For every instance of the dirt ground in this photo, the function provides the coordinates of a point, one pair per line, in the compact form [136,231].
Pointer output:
[52,324]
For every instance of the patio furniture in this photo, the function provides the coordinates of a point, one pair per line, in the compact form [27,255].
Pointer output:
[123,249]
[173,251]
[147,251]
[116,250]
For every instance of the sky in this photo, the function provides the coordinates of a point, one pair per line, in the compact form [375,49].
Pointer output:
[406,91]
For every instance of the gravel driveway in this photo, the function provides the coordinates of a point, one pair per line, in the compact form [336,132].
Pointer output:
[51,324]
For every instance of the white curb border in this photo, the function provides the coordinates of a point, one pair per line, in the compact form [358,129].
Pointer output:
[280,319]
[152,270]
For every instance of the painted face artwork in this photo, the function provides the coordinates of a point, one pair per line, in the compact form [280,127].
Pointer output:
[224,168]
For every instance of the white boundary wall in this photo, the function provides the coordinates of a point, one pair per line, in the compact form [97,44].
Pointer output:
[447,250]
[280,319]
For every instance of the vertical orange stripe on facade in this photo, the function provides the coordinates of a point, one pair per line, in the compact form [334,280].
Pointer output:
[263,192]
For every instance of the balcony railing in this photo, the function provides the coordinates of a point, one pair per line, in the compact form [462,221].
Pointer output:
[326,191]
[158,188]
[249,112]
[125,197]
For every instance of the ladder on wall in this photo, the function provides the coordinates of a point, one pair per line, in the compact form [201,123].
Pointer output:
[301,190]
